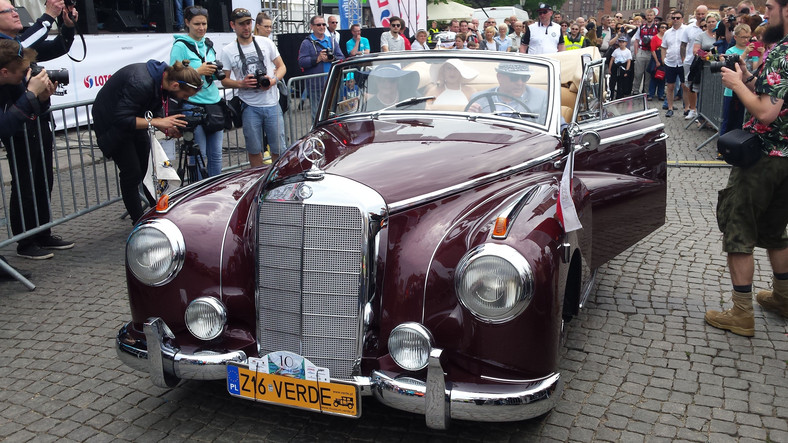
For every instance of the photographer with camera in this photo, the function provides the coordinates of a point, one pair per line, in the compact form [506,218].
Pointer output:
[30,207]
[315,56]
[201,54]
[752,210]
[256,65]
[119,118]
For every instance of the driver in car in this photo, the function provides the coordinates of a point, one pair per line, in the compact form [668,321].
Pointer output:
[512,95]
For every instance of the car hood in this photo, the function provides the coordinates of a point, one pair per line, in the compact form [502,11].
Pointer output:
[401,158]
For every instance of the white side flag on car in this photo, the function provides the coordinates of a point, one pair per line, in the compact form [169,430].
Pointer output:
[160,178]
[565,210]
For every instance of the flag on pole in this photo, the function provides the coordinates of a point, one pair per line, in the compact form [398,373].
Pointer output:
[565,208]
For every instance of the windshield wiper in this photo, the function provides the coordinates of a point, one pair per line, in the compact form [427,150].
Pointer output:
[517,113]
[406,102]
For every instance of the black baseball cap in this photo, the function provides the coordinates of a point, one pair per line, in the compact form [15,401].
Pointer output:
[544,7]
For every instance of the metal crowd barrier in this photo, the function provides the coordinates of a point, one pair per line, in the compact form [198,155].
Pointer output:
[83,180]
[710,99]
[304,93]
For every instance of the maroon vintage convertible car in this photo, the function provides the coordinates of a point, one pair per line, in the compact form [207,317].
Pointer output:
[408,247]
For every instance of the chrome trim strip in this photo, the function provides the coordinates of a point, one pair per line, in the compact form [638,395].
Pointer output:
[587,290]
[420,199]
[638,133]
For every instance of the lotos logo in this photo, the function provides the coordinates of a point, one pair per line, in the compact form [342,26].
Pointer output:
[96,80]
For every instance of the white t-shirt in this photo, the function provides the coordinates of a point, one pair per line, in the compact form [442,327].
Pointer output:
[621,55]
[232,61]
[688,37]
[416,46]
[671,41]
[386,39]
[544,39]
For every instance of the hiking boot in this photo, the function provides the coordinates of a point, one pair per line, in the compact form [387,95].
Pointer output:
[54,242]
[775,300]
[739,319]
[33,252]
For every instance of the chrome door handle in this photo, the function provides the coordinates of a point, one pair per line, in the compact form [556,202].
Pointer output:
[663,136]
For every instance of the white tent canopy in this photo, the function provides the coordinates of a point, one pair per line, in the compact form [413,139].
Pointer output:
[448,11]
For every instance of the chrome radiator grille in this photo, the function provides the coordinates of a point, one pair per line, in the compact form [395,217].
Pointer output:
[310,272]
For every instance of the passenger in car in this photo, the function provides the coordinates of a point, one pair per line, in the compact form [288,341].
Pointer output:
[389,84]
[450,78]
[512,94]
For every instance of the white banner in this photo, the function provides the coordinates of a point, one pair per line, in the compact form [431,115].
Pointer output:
[106,55]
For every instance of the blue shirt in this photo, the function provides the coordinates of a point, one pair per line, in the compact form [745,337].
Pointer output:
[363,45]
[326,43]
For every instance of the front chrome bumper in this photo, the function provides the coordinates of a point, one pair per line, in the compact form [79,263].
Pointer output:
[438,400]
[169,365]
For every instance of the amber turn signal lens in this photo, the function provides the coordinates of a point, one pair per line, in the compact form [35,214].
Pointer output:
[501,226]
[163,203]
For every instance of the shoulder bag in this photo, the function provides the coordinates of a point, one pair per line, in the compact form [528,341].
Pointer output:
[740,148]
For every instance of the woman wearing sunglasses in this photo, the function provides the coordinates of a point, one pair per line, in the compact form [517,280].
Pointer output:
[201,54]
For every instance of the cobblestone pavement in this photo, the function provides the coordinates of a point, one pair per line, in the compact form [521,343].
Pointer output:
[640,363]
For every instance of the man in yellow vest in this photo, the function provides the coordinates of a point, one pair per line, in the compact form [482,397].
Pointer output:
[574,39]
[432,32]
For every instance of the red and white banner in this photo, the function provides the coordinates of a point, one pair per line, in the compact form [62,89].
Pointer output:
[413,12]
[565,209]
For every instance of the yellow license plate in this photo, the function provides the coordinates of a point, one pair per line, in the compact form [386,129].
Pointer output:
[333,397]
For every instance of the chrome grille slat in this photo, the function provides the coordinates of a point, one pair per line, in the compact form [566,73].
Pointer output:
[310,262]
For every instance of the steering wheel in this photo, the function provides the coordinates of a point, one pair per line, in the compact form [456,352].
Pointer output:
[490,94]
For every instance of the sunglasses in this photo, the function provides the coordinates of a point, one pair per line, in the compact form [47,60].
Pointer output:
[396,25]
[333,23]
[9,11]
[319,24]
[676,18]
[619,16]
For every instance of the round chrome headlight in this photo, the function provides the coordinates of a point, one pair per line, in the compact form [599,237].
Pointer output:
[205,318]
[494,282]
[155,252]
[410,345]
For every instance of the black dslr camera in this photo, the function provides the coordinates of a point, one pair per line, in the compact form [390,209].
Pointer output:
[193,117]
[329,54]
[59,76]
[219,73]
[729,62]
[261,75]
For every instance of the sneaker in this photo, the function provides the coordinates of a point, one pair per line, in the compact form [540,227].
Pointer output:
[33,252]
[54,242]
[669,113]
[686,111]
[691,115]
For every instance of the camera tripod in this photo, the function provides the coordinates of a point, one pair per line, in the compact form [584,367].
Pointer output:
[191,165]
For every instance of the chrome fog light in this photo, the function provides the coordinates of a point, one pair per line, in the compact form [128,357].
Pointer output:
[155,252]
[495,282]
[410,345]
[205,318]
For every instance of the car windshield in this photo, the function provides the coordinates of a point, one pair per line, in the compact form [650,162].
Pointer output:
[504,86]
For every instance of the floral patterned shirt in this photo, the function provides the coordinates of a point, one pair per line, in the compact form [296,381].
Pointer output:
[773,81]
